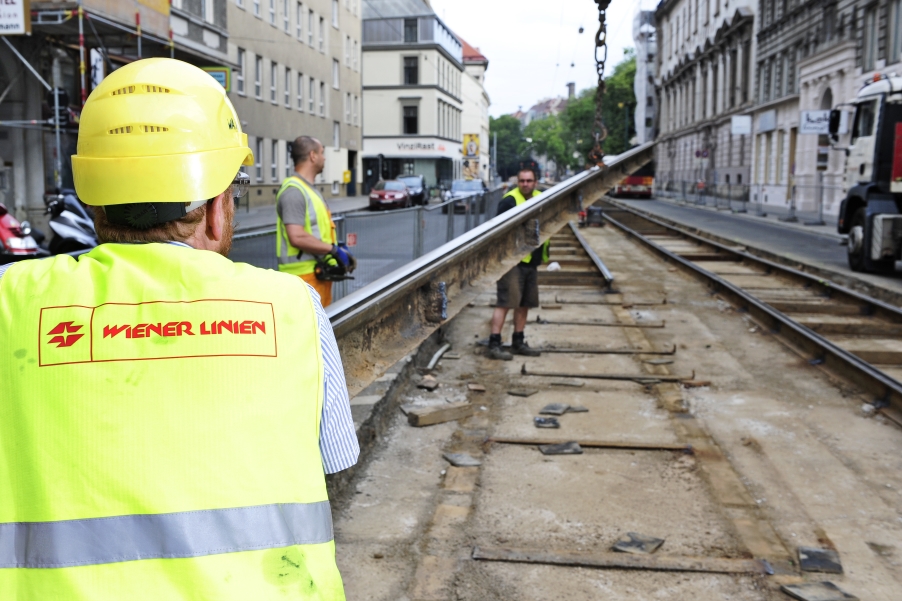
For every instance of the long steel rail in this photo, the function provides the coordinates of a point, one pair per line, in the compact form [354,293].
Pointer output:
[380,323]
[885,390]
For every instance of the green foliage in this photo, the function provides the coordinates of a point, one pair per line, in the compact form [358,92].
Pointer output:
[511,143]
[560,137]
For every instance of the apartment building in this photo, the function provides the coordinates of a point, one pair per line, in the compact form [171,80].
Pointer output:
[54,40]
[813,55]
[644,83]
[705,58]
[412,85]
[298,72]
[475,114]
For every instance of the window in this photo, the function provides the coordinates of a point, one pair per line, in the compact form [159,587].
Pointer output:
[895,26]
[347,51]
[791,71]
[274,169]
[311,100]
[239,3]
[411,120]
[239,75]
[322,99]
[300,91]
[410,31]
[311,23]
[287,91]
[258,78]
[336,134]
[299,21]
[257,8]
[285,19]
[354,56]
[258,160]
[780,142]
[869,48]
[746,70]
[411,71]
[335,14]
[206,9]
[273,78]
[322,34]
[289,164]
[734,58]
[335,73]
[355,111]
[348,108]
[865,116]
[272,12]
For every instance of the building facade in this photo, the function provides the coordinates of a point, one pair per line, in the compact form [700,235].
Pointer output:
[298,72]
[814,55]
[705,57]
[475,115]
[412,87]
[644,83]
[101,36]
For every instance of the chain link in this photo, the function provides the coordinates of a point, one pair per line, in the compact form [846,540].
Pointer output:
[601,54]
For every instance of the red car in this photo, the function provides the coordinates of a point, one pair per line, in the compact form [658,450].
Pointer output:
[389,194]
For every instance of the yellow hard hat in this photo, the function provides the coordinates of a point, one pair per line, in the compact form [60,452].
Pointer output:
[158,130]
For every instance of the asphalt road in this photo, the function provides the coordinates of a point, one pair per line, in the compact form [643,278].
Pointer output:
[820,249]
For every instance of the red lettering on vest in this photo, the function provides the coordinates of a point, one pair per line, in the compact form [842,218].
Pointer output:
[169,328]
[245,327]
[139,331]
[113,331]
[155,328]
[259,325]
[203,329]
[184,327]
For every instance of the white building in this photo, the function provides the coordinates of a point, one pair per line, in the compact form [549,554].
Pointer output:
[475,115]
[412,88]
[299,73]
[644,83]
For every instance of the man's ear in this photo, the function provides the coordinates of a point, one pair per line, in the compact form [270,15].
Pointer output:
[216,217]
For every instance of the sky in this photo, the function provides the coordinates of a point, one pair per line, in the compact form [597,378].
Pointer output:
[531,44]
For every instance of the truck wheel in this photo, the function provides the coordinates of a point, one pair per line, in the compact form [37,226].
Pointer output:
[858,252]
[856,242]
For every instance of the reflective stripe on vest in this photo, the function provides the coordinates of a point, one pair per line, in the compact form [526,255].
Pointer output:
[324,229]
[160,414]
[520,199]
[170,535]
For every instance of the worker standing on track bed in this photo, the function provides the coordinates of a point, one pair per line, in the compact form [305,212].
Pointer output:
[155,440]
[519,288]
[305,233]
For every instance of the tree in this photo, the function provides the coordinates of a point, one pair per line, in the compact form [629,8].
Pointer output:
[548,141]
[511,143]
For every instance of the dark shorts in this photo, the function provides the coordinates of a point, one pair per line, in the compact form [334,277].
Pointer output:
[519,288]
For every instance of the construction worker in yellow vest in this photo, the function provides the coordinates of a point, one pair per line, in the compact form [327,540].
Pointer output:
[163,409]
[519,288]
[306,245]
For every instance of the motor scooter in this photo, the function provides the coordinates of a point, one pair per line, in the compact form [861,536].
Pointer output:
[16,240]
[71,222]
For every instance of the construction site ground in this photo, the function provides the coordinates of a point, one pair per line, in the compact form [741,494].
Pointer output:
[783,457]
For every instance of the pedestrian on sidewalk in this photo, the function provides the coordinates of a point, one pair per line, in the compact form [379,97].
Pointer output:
[157,442]
[519,288]
[305,232]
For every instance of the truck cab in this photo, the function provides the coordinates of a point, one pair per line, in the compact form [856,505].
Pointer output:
[871,212]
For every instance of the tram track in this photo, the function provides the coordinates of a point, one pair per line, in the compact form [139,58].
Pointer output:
[844,332]
[526,525]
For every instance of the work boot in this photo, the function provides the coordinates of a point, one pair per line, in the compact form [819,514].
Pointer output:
[495,350]
[520,347]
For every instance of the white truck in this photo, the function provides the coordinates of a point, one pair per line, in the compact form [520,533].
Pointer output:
[871,213]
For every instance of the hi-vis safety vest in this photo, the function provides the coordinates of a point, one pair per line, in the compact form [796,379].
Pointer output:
[520,199]
[159,431]
[324,229]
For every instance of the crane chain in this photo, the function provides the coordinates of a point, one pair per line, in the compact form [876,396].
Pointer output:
[601,54]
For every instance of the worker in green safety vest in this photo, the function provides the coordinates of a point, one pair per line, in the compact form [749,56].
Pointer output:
[519,288]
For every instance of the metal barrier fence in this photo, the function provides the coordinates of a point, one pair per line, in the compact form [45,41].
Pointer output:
[383,241]
[814,203]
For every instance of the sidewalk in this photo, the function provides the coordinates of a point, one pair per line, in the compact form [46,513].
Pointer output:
[264,217]
[828,230]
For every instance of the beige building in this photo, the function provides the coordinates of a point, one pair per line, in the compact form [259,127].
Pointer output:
[475,114]
[412,82]
[298,73]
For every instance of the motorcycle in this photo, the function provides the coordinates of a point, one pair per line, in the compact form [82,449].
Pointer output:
[71,222]
[16,240]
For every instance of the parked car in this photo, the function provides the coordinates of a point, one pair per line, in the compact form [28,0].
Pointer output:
[416,184]
[389,194]
[464,191]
